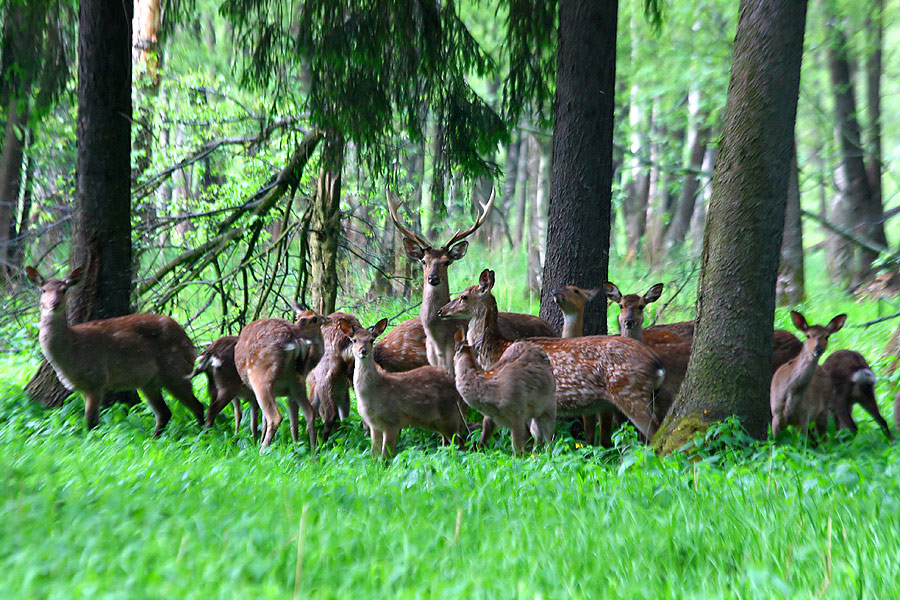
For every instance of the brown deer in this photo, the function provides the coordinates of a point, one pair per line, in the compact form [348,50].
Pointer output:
[438,332]
[571,300]
[224,383]
[801,390]
[853,381]
[518,391]
[631,318]
[387,402]
[143,352]
[273,358]
[329,381]
[402,348]
[591,372]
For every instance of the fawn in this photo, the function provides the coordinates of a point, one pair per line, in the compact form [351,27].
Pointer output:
[436,293]
[853,381]
[387,402]
[591,372]
[224,383]
[801,390]
[143,352]
[329,381]
[273,358]
[518,392]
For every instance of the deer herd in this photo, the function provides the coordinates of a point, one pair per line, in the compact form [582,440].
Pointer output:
[512,368]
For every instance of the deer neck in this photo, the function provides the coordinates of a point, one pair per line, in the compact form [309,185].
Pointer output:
[57,341]
[433,298]
[484,336]
[573,325]
[803,370]
[367,374]
[468,382]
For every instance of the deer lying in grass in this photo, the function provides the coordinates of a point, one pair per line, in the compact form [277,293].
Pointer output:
[387,402]
[436,293]
[591,372]
[224,383]
[518,392]
[143,352]
[801,390]
[853,381]
[273,358]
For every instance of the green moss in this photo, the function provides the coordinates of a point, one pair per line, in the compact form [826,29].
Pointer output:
[675,432]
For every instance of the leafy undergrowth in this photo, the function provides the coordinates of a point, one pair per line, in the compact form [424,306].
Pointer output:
[115,514]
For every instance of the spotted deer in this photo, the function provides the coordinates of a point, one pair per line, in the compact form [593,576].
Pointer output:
[853,381]
[592,373]
[518,391]
[224,384]
[143,352]
[273,358]
[439,332]
[801,389]
[387,402]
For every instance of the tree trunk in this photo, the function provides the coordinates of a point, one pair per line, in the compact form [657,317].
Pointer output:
[697,140]
[790,288]
[17,248]
[102,218]
[856,193]
[325,228]
[146,59]
[730,365]
[10,179]
[521,194]
[436,209]
[698,220]
[875,33]
[537,210]
[511,175]
[581,181]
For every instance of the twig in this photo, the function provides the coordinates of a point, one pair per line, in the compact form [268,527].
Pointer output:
[678,291]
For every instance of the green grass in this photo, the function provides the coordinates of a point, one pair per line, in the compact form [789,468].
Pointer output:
[114,514]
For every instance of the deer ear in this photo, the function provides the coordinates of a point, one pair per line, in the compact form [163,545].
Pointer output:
[836,323]
[298,309]
[346,327]
[457,251]
[459,336]
[413,250]
[799,320]
[379,327]
[34,277]
[74,277]
[612,292]
[653,293]
[590,294]
[486,280]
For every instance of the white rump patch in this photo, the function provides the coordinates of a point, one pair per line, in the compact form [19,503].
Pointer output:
[863,376]
[215,361]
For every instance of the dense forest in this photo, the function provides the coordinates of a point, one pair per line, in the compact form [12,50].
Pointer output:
[221,162]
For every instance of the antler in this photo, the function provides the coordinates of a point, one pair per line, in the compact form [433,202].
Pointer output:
[392,208]
[459,235]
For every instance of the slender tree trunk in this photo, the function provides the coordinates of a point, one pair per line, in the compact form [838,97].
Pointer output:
[581,181]
[10,179]
[730,365]
[698,220]
[697,140]
[17,248]
[325,227]
[436,209]
[521,194]
[102,234]
[790,288]
[875,33]
[537,211]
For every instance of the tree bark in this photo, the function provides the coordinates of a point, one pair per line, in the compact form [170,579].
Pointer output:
[697,140]
[10,180]
[875,33]
[326,228]
[521,201]
[730,365]
[102,218]
[790,288]
[581,180]
[537,212]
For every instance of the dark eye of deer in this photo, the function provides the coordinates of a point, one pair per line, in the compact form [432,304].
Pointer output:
[464,297]
[576,291]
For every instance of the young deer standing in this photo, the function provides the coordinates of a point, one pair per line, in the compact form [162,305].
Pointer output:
[853,381]
[801,390]
[518,392]
[387,402]
[329,381]
[591,372]
[273,358]
[224,383]
[143,352]
[571,300]
[439,333]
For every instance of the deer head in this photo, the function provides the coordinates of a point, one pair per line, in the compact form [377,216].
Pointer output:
[472,302]
[631,317]
[571,299]
[817,336]
[362,338]
[435,261]
[53,291]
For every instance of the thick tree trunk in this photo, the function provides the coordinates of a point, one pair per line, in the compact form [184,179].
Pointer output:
[856,192]
[102,233]
[10,179]
[790,288]
[325,228]
[581,181]
[730,365]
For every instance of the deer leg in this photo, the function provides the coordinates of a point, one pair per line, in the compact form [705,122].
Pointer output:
[870,405]
[590,429]
[298,397]
[777,426]
[238,414]
[254,419]
[377,440]
[267,403]
[92,401]
[390,442]
[294,416]
[184,393]
[517,433]
[487,428]
[159,407]
[606,428]
[821,426]
[216,404]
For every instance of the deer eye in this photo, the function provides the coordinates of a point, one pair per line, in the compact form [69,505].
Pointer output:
[464,297]
[576,291]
